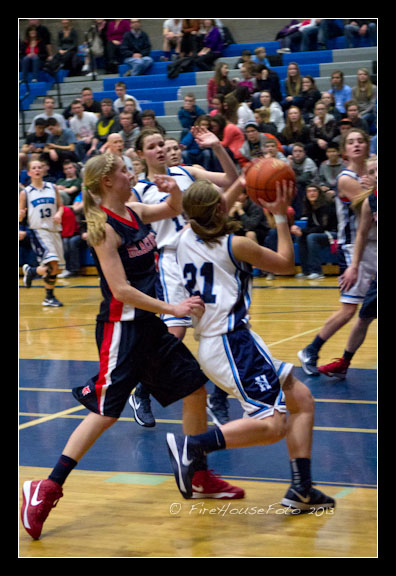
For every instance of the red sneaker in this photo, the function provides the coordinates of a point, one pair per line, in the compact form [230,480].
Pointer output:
[39,498]
[206,484]
[336,369]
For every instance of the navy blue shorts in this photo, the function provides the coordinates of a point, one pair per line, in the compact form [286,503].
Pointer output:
[369,306]
[139,351]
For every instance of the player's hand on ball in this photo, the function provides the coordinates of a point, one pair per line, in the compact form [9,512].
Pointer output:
[284,197]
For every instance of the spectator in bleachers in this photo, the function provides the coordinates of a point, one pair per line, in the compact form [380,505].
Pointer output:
[352,114]
[150,121]
[130,106]
[66,56]
[245,58]
[130,131]
[230,136]
[116,29]
[192,153]
[252,218]
[271,149]
[329,100]
[108,123]
[135,49]
[317,34]
[70,186]
[49,106]
[212,45]
[266,102]
[115,146]
[71,240]
[61,146]
[172,36]
[295,130]
[310,95]
[189,39]
[34,142]
[262,116]
[218,105]
[320,232]
[329,170]
[96,41]
[365,94]
[122,96]
[89,103]
[342,92]
[220,83]
[322,130]
[293,87]
[268,79]
[358,28]
[188,114]
[44,34]
[253,147]
[290,37]
[248,76]
[237,107]
[306,172]
[33,54]
[260,56]
[83,124]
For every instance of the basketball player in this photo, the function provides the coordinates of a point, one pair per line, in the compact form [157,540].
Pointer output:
[134,344]
[42,204]
[216,264]
[352,183]
[368,310]
[150,147]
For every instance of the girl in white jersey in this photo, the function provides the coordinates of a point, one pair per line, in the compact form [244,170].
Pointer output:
[42,204]
[352,183]
[215,264]
[150,147]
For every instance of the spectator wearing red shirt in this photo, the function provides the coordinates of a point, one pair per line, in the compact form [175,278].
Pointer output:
[71,239]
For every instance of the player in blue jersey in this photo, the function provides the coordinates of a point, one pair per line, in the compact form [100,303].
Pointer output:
[134,344]
[216,264]
[352,183]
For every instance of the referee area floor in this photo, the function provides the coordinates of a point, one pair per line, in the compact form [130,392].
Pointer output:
[122,501]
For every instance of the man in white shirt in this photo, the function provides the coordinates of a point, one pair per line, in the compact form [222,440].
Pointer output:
[49,106]
[83,124]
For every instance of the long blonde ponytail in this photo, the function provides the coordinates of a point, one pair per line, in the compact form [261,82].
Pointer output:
[94,171]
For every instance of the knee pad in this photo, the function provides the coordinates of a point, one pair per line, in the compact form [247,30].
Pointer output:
[50,279]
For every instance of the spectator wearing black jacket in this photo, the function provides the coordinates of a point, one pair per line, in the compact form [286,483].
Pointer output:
[135,49]
[320,232]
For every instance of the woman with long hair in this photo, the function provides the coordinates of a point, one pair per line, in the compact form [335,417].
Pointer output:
[217,264]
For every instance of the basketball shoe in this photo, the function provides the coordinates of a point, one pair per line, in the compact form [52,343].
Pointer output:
[206,484]
[183,459]
[308,361]
[307,499]
[28,275]
[39,497]
[337,369]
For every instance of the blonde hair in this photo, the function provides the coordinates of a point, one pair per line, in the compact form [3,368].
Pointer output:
[201,205]
[94,170]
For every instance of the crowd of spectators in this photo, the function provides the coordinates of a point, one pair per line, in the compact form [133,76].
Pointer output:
[252,115]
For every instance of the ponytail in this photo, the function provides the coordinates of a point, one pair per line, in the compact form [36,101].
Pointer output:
[95,217]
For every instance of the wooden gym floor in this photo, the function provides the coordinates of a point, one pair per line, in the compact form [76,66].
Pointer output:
[122,500]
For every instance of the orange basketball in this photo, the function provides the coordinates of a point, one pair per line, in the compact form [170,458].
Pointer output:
[262,176]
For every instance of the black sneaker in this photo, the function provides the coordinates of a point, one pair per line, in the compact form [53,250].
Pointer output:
[308,362]
[28,275]
[217,409]
[183,459]
[52,302]
[307,500]
[142,410]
